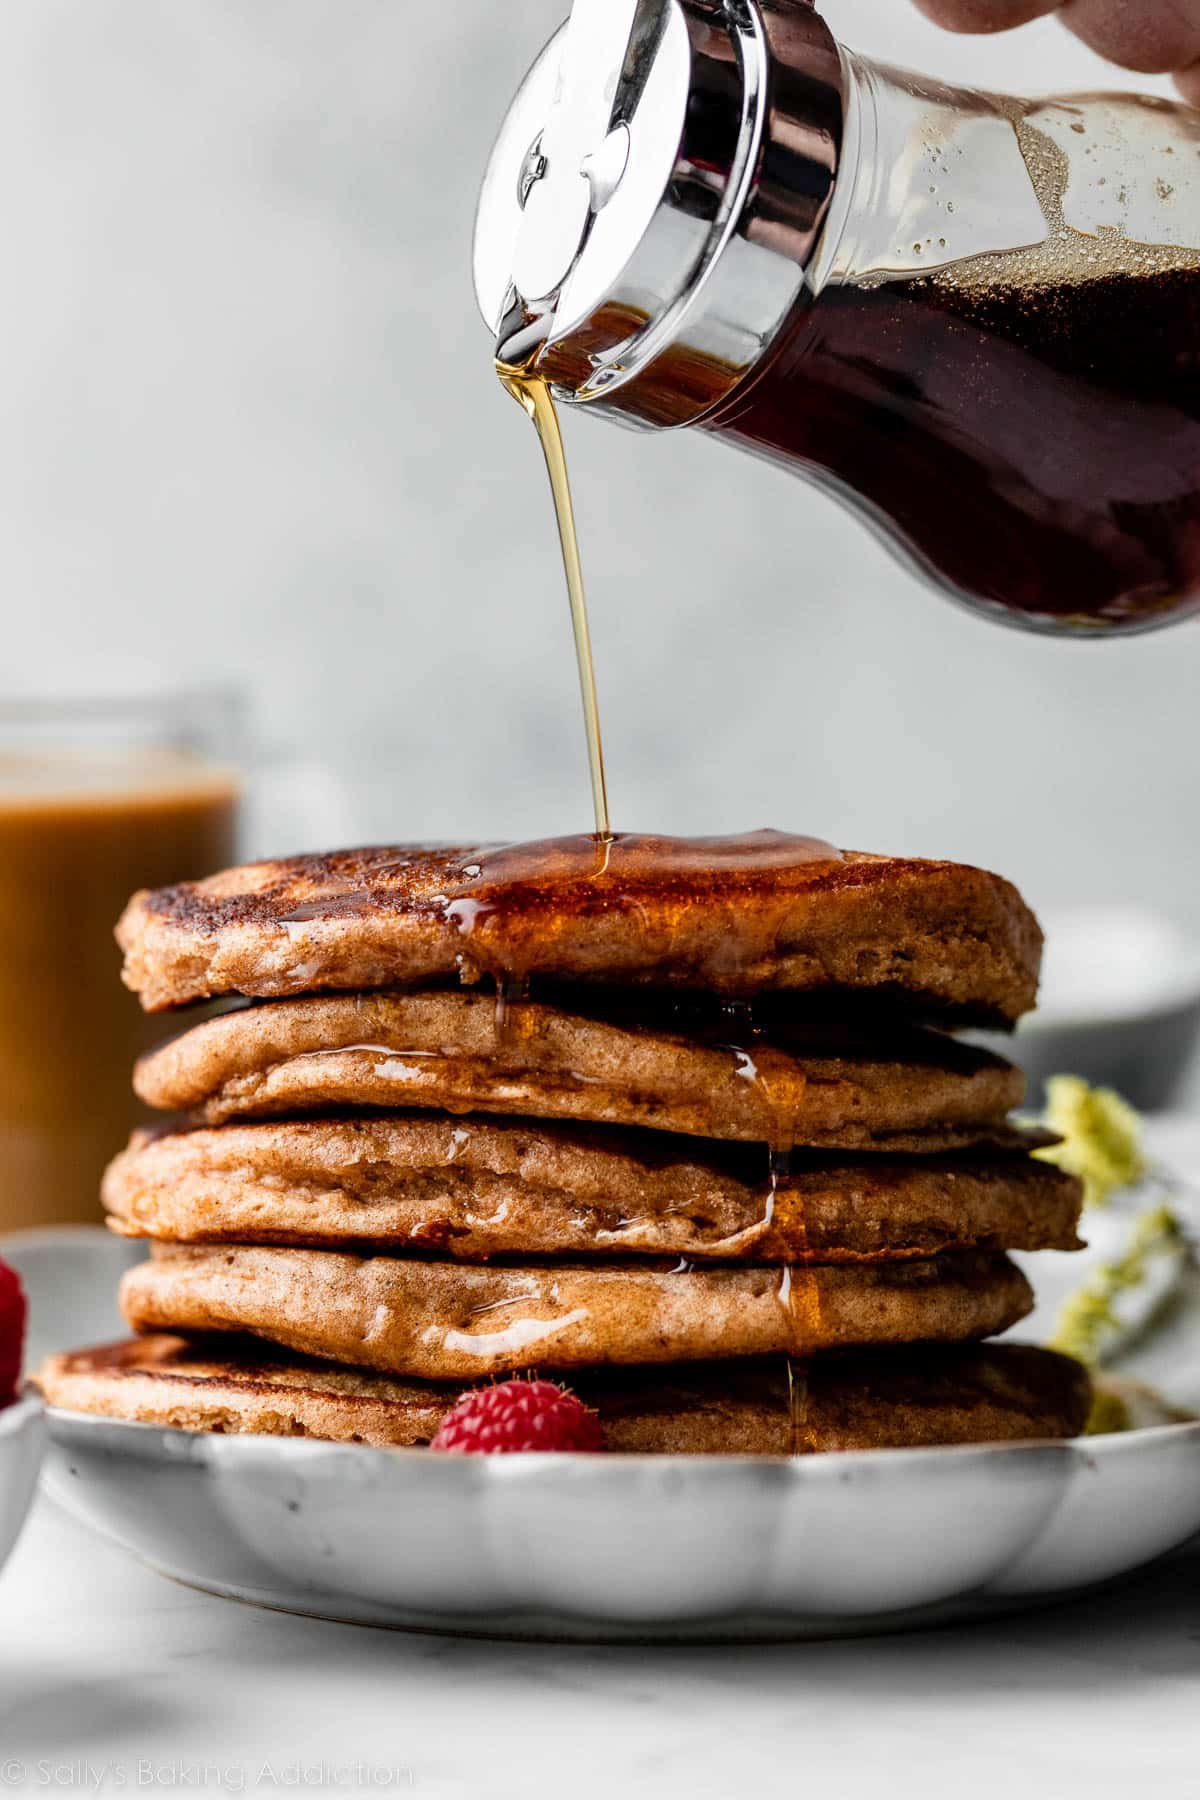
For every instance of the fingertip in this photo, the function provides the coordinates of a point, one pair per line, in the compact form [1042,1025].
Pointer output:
[981,16]
[1153,40]
[1188,83]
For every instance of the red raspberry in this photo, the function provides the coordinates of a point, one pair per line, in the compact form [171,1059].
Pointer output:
[518,1415]
[12,1332]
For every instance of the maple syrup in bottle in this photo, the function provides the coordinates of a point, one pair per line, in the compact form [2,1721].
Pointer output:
[974,319]
[1034,446]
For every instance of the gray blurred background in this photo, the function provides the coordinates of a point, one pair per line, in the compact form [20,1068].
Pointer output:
[249,429]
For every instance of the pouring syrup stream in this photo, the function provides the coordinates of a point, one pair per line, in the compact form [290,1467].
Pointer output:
[532,393]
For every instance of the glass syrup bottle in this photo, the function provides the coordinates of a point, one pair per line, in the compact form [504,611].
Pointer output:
[974,319]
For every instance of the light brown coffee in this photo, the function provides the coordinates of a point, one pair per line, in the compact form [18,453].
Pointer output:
[78,833]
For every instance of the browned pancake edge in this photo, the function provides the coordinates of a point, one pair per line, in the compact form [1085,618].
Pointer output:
[480,1188]
[947,1395]
[935,936]
[449,1321]
[448,1051]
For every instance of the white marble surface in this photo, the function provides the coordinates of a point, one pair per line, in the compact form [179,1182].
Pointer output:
[116,1680]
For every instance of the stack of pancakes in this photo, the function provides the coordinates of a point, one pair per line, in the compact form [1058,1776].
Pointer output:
[666,1118]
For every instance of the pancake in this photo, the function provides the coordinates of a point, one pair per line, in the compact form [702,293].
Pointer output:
[949,1395]
[447,1051]
[446,1321]
[732,916]
[483,1188]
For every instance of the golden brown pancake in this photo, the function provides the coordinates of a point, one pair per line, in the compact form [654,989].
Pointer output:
[947,1395]
[446,1321]
[731,916]
[445,1050]
[484,1188]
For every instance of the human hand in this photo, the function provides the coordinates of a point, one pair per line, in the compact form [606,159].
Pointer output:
[1155,36]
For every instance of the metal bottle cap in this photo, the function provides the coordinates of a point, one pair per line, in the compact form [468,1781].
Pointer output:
[651,203]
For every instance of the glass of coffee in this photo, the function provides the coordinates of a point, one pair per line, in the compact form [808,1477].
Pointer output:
[98,797]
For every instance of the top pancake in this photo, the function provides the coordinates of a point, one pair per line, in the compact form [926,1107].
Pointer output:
[764,913]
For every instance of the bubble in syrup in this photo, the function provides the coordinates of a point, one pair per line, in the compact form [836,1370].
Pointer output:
[464,914]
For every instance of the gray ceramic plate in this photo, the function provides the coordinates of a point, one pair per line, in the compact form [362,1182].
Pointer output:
[621,1547]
